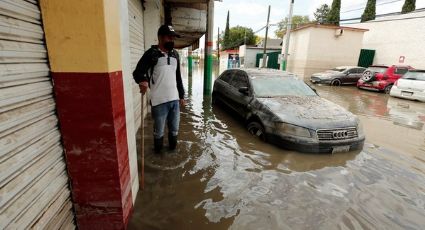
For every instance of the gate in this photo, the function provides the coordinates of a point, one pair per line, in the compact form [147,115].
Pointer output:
[366,58]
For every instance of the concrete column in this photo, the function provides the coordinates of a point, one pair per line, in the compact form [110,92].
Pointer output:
[190,62]
[208,60]
[84,48]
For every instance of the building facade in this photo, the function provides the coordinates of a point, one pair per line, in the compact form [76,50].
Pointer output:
[315,48]
[70,110]
[396,39]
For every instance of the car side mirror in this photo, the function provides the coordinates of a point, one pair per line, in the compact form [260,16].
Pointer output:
[244,90]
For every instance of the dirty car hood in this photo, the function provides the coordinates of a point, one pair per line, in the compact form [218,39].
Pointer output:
[312,112]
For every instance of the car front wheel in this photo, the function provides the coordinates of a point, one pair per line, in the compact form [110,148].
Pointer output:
[257,129]
[387,89]
[336,82]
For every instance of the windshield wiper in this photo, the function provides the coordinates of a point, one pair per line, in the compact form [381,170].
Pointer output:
[409,78]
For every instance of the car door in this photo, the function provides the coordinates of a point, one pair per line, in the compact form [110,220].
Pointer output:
[222,87]
[348,76]
[356,74]
[239,101]
[398,73]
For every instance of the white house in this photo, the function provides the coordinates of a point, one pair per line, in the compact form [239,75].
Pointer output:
[314,48]
[397,39]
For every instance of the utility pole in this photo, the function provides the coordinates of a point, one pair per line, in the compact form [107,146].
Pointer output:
[218,44]
[244,38]
[208,60]
[265,40]
[283,66]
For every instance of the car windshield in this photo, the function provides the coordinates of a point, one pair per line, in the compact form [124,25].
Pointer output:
[338,69]
[420,76]
[280,86]
[378,69]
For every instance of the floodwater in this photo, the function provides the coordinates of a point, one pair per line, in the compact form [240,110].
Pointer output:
[221,177]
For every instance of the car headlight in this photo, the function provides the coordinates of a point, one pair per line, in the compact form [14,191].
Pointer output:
[293,130]
[360,131]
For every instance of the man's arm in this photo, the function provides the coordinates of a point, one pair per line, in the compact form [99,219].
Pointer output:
[180,87]
[140,74]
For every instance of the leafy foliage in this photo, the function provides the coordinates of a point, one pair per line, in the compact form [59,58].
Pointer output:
[334,13]
[370,11]
[409,6]
[236,37]
[321,14]
[297,21]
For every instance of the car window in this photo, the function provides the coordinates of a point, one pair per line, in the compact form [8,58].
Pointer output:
[226,76]
[360,70]
[239,79]
[280,86]
[420,76]
[400,70]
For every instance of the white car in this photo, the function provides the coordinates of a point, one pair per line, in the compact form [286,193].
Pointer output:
[410,86]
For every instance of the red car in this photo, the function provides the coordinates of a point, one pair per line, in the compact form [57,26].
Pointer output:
[381,77]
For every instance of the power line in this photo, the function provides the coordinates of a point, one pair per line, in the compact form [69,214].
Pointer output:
[385,20]
[378,4]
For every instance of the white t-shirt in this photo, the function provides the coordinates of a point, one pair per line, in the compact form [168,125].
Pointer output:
[163,84]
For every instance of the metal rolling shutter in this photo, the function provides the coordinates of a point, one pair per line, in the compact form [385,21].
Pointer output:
[34,187]
[137,48]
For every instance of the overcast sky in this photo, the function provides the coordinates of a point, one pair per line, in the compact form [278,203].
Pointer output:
[253,13]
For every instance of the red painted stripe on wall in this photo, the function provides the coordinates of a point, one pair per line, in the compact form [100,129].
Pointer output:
[92,120]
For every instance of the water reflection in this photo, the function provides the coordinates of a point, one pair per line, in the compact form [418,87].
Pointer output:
[224,178]
[388,122]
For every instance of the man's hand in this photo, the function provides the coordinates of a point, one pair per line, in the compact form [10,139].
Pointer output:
[182,102]
[143,87]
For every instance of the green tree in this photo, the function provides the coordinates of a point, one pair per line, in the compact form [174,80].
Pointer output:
[237,37]
[334,13]
[409,6]
[297,21]
[226,34]
[370,11]
[322,13]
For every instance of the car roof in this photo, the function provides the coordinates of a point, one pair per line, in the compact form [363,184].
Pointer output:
[380,66]
[347,67]
[417,70]
[388,66]
[264,72]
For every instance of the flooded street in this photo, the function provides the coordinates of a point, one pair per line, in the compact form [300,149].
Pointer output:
[223,178]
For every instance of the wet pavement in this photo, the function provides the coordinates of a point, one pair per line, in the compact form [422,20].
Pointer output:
[221,177]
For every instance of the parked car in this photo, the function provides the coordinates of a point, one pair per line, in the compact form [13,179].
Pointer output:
[338,76]
[410,86]
[381,77]
[282,109]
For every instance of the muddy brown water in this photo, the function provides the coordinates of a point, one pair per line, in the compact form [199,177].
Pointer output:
[221,177]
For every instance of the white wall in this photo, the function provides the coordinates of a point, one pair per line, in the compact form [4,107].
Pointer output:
[153,17]
[128,97]
[249,54]
[328,51]
[392,39]
[298,50]
[315,49]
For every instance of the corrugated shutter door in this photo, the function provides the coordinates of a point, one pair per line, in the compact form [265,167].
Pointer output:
[34,187]
[137,48]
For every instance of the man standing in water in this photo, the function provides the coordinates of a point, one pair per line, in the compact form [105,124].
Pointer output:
[159,69]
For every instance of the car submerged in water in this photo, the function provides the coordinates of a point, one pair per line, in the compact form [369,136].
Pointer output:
[282,109]
[342,75]
[411,86]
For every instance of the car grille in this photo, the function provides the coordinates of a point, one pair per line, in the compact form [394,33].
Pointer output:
[336,134]
[315,78]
